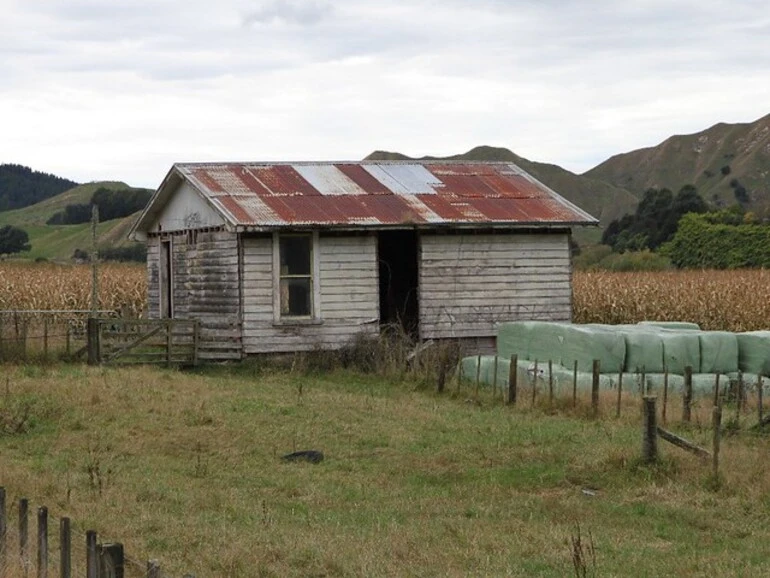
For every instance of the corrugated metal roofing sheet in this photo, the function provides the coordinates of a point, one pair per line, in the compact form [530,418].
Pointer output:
[372,193]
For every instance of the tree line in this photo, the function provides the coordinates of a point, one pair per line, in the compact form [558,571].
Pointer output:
[20,186]
[112,204]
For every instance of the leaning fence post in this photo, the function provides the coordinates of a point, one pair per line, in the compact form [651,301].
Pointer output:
[716,390]
[512,379]
[687,395]
[153,569]
[595,388]
[3,528]
[717,425]
[650,440]
[65,549]
[665,394]
[42,542]
[23,531]
[92,559]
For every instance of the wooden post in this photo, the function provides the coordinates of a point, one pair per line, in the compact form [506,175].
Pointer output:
[45,336]
[92,558]
[94,262]
[65,549]
[3,529]
[687,395]
[759,393]
[42,542]
[153,569]
[494,379]
[620,392]
[595,388]
[665,394]
[478,375]
[534,385]
[92,336]
[111,560]
[24,532]
[643,385]
[512,379]
[650,439]
[717,425]
[740,394]
[550,382]
[574,383]
[716,390]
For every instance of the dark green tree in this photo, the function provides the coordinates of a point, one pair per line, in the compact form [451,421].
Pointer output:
[13,240]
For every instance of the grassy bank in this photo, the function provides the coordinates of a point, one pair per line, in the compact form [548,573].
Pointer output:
[186,468]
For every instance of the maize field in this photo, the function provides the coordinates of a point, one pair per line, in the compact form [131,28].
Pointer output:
[48,286]
[737,300]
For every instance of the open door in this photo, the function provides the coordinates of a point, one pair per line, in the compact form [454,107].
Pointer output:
[397,253]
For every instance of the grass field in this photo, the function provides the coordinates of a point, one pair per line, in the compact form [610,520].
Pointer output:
[186,468]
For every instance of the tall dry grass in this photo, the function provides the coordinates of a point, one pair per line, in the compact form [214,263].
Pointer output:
[716,300]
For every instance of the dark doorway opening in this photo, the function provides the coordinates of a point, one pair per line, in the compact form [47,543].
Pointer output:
[397,253]
[166,281]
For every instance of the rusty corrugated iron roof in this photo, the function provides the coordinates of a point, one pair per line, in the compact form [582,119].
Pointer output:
[372,194]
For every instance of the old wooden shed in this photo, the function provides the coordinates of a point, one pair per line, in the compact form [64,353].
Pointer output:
[282,257]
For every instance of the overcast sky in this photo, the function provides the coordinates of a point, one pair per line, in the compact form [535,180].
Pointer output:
[120,89]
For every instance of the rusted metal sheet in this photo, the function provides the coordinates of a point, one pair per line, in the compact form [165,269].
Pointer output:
[371,193]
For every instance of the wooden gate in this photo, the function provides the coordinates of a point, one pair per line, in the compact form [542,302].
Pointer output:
[143,341]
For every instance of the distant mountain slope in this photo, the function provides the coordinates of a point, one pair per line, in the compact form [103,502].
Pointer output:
[20,186]
[603,200]
[58,242]
[716,160]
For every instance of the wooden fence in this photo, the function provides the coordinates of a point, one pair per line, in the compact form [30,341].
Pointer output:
[143,341]
[736,391]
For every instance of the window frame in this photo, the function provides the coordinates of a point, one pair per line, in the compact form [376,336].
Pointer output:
[315,291]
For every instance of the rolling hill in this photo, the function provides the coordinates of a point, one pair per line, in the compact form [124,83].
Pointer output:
[717,161]
[58,242]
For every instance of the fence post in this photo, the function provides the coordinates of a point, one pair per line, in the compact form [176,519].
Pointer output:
[620,391]
[717,425]
[153,569]
[65,549]
[759,392]
[595,388]
[739,408]
[478,375]
[534,385]
[23,532]
[550,382]
[650,441]
[42,542]
[574,383]
[665,394]
[92,559]
[716,390]
[3,528]
[687,397]
[112,560]
[512,379]
[92,336]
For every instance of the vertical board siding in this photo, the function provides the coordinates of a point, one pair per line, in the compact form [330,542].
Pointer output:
[471,283]
[206,287]
[349,295]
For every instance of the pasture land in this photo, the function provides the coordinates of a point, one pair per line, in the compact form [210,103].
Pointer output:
[186,468]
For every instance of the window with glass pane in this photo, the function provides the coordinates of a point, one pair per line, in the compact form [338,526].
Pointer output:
[296,275]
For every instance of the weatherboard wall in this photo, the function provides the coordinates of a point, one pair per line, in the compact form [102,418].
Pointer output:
[347,296]
[205,273]
[469,283]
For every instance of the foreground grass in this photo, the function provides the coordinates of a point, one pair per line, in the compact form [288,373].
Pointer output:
[186,468]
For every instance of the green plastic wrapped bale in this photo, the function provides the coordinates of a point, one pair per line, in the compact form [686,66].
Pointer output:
[542,340]
[680,349]
[644,350]
[656,384]
[679,325]
[584,343]
[487,372]
[718,352]
[754,352]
